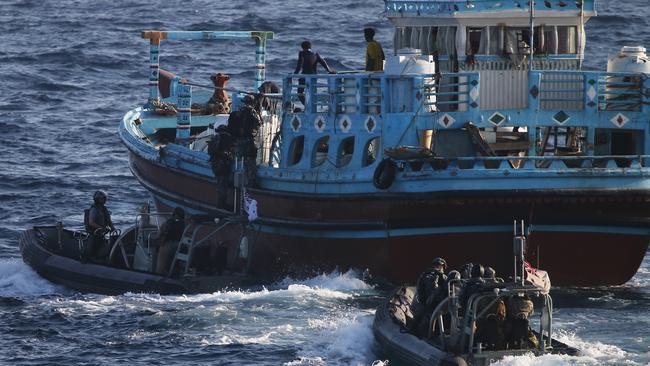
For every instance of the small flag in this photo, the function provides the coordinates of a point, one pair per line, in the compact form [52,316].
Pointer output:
[250,206]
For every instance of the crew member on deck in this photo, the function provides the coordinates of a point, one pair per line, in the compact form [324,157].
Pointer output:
[374,53]
[98,222]
[307,63]
[244,126]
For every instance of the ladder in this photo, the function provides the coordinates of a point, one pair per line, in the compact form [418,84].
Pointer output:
[189,242]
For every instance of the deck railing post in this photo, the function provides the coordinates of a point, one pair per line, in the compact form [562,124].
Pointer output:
[154,68]
[287,89]
[534,90]
[475,95]
[184,115]
[260,58]
[332,89]
[645,94]
[590,93]
[418,97]
[310,93]
[384,94]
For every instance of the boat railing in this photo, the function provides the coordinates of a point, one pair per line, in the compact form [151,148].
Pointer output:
[478,307]
[147,226]
[459,94]
[588,91]
[453,7]
[523,163]
[375,93]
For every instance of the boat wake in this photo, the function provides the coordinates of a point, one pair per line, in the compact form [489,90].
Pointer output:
[18,280]
[322,320]
[593,353]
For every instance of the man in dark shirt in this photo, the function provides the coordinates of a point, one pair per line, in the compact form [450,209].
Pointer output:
[169,235]
[308,62]
[430,283]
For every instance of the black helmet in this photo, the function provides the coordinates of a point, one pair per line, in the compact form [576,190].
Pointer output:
[178,213]
[453,275]
[439,262]
[466,270]
[100,196]
[248,99]
[477,271]
[490,272]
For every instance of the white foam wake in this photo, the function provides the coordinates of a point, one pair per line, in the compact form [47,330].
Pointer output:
[332,286]
[18,280]
[348,281]
[593,354]
[346,340]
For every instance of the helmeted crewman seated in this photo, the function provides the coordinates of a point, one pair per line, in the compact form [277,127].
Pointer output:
[430,284]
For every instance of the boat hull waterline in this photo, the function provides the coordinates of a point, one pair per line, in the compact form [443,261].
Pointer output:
[302,235]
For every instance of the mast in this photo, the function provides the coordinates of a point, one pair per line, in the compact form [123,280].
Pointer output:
[582,35]
[531,4]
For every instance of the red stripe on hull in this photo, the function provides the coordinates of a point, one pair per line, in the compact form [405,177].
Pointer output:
[401,259]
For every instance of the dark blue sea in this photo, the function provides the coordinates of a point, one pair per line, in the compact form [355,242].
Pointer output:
[70,69]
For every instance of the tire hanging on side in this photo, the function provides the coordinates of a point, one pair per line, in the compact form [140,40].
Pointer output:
[385,174]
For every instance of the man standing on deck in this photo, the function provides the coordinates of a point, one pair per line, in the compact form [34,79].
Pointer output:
[308,62]
[374,53]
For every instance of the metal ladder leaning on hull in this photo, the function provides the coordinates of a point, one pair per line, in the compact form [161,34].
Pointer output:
[189,242]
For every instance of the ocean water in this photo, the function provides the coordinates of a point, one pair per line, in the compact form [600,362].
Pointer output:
[69,70]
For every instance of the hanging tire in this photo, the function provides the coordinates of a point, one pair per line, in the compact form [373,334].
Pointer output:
[385,174]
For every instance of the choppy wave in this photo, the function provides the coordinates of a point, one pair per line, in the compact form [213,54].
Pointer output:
[62,99]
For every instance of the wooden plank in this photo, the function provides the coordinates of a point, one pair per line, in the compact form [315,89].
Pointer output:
[505,146]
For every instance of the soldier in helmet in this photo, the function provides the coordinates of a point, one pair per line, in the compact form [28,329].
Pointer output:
[431,279]
[430,283]
[98,222]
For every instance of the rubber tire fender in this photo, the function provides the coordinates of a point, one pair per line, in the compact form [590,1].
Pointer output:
[385,174]
[453,361]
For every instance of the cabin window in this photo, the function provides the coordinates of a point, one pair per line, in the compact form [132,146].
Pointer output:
[496,39]
[473,40]
[550,40]
[567,40]
[321,149]
[371,152]
[296,149]
[422,38]
[517,41]
[446,41]
[346,150]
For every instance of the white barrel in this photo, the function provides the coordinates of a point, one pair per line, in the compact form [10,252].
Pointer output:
[630,59]
[407,62]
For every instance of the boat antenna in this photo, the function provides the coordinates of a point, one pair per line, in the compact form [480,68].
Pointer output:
[519,248]
[532,34]
[582,34]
